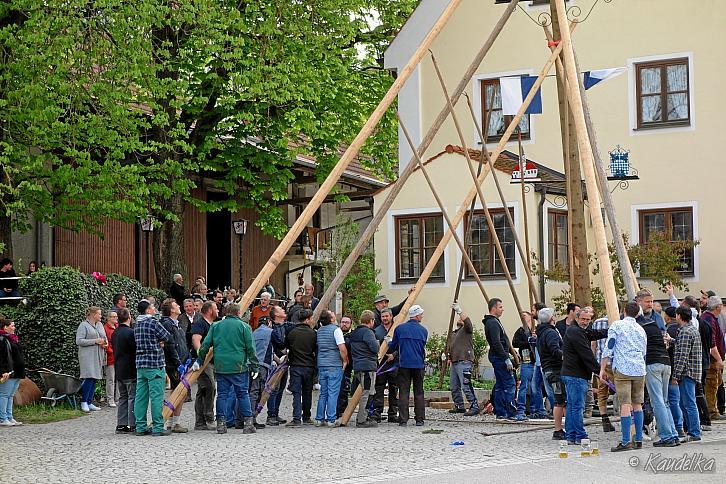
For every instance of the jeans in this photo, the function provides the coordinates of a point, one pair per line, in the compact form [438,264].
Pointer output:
[406,376]
[504,388]
[233,390]
[538,380]
[367,381]
[687,388]
[576,389]
[88,388]
[330,378]
[656,379]
[111,389]
[7,390]
[204,400]
[461,379]
[301,386]
[674,402]
[150,383]
[125,416]
[276,396]
[528,381]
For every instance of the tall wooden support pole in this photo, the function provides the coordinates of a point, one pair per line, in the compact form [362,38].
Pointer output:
[480,193]
[577,229]
[522,167]
[345,160]
[630,281]
[467,238]
[431,264]
[462,247]
[395,189]
[588,165]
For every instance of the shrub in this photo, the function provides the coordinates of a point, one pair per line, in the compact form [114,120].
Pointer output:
[436,345]
[57,301]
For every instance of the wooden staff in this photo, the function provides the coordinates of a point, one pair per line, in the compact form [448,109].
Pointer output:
[588,164]
[431,264]
[480,193]
[626,267]
[396,188]
[350,153]
[179,394]
[464,252]
[522,164]
[467,237]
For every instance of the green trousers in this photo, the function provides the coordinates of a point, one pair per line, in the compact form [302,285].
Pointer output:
[150,383]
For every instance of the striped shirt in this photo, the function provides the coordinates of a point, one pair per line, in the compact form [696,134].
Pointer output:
[601,323]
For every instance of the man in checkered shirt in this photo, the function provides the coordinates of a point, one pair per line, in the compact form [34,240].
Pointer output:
[150,337]
[687,371]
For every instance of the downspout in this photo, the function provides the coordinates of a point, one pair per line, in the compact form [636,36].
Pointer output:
[542,197]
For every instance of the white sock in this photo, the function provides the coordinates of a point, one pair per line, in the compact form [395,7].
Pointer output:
[174,420]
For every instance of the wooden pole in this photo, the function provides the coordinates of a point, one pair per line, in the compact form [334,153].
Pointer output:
[396,188]
[345,160]
[431,264]
[462,247]
[522,163]
[467,237]
[480,193]
[588,164]
[630,281]
[629,277]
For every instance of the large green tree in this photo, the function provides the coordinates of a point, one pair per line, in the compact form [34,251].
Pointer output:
[179,90]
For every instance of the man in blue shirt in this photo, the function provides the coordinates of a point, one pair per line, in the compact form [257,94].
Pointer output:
[409,344]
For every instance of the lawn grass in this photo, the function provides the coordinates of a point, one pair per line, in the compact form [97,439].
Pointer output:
[39,413]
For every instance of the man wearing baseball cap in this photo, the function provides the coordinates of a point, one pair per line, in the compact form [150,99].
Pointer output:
[704,298]
[409,344]
[381,302]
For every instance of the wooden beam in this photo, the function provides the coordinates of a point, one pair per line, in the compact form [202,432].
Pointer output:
[356,195]
[431,264]
[350,153]
[395,189]
[588,165]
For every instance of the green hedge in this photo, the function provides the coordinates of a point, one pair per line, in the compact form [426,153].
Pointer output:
[57,301]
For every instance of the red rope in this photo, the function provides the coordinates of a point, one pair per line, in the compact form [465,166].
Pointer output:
[553,44]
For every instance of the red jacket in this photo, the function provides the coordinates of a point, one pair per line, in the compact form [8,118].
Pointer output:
[257,313]
[109,349]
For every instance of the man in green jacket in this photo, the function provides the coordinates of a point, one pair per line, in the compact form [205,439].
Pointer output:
[234,359]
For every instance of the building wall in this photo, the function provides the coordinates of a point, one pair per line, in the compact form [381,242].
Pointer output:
[671,162]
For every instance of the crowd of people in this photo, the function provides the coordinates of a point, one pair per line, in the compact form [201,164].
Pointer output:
[661,364]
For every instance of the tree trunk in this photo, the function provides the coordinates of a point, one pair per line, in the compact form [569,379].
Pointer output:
[580,270]
[6,236]
[168,244]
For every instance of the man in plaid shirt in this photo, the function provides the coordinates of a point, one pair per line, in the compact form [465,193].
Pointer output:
[687,371]
[150,336]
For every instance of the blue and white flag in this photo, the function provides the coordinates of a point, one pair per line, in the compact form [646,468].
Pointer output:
[593,78]
[515,90]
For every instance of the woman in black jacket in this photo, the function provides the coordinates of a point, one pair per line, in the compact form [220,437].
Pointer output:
[12,370]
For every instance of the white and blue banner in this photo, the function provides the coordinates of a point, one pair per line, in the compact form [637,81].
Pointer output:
[515,90]
[593,78]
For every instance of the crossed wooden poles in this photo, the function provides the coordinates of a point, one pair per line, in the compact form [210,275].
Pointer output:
[563,47]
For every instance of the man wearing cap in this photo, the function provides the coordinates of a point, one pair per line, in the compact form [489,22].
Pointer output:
[409,344]
[388,375]
[499,349]
[381,302]
[149,336]
[714,306]
[704,298]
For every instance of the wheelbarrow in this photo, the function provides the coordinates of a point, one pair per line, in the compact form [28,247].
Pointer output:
[59,387]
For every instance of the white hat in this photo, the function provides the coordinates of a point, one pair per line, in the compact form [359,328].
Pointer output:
[415,310]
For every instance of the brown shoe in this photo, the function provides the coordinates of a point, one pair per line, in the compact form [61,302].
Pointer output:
[178,429]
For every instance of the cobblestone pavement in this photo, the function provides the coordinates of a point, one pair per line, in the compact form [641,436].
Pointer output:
[86,449]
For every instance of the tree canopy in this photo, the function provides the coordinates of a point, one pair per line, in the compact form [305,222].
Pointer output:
[117,108]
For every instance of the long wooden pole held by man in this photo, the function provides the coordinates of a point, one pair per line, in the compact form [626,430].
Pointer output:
[307,214]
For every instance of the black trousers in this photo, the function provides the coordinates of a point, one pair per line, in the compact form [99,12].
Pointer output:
[704,415]
[406,376]
[204,403]
[344,391]
[391,379]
